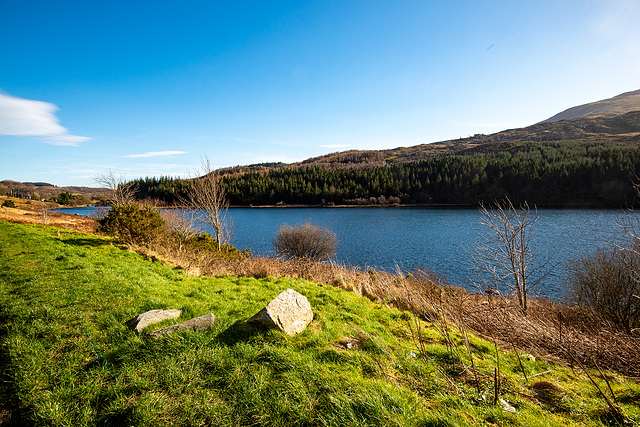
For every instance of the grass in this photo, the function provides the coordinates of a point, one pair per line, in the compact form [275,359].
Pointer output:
[69,359]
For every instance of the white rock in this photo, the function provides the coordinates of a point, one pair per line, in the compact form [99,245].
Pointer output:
[289,312]
[507,406]
[198,324]
[150,317]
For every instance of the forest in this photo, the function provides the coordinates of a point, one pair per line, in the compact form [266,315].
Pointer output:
[562,173]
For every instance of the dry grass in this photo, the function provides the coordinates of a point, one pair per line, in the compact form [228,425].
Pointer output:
[555,331]
[33,212]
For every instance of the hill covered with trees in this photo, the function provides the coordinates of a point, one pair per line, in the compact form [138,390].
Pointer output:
[548,173]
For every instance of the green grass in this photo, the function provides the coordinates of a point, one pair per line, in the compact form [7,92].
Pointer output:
[68,358]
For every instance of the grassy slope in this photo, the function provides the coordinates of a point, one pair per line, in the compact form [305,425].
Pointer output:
[68,358]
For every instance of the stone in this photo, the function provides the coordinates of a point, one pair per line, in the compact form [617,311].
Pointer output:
[197,324]
[289,312]
[150,317]
[506,406]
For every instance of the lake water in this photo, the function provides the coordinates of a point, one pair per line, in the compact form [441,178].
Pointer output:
[427,238]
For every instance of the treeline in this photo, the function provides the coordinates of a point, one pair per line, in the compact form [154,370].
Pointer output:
[566,173]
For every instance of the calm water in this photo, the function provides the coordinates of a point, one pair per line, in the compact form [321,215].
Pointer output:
[436,239]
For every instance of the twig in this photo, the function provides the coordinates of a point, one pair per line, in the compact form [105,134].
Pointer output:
[520,361]
[538,375]
[616,409]
[608,384]
[496,376]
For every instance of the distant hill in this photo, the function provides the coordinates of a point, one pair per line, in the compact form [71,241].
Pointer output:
[46,191]
[611,107]
[616,118]
[625,127]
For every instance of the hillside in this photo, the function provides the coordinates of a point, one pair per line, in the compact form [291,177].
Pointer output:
[68,358]
[45,191]
[611,107]
[625,127]
[614,119]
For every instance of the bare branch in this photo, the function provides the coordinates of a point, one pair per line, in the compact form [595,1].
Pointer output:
[122,193]
[180,223]
[208,198]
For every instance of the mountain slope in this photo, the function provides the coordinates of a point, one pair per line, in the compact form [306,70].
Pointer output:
[613,119]
[625,127]
[611,107]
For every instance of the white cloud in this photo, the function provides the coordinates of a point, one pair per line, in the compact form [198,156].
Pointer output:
[157,153]
[25,117]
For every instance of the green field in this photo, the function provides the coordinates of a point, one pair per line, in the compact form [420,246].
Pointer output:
[68,358]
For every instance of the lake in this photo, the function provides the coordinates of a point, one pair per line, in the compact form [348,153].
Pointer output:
[427,238]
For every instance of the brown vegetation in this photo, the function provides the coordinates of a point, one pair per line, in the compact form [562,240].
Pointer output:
[32,212]
[306,241]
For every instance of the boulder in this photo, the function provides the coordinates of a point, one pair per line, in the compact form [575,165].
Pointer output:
[289,312]
[150,317]
[198,324]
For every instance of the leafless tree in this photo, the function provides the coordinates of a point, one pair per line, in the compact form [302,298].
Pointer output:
[121,192]
[207,197]
[44,211]
[180,223]
[502,257]
[306,241]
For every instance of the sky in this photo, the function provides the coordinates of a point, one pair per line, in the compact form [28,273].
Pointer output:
[148,88]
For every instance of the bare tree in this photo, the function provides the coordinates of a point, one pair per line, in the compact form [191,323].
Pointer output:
[208,199]
[44,211]
[180,223]
[502,257]
[121,192]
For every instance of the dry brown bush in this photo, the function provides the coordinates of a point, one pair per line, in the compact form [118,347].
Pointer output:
[607,282]
[306,241]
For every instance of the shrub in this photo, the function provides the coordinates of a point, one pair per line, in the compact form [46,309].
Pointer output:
[132,224]
[208,243]
[607,283]
[9,204]
[306,241]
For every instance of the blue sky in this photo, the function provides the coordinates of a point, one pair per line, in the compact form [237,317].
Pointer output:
[146,88]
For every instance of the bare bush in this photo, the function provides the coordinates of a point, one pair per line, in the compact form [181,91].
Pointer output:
[180,224]
[306,241]
[502,257]
[606,282]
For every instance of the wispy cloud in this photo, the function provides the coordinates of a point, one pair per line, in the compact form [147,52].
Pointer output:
[335,146]
[26,117]
[157,154]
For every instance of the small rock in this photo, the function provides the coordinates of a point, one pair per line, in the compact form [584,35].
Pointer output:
[289,312]
[197,324]
[507,406]
[150,317]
